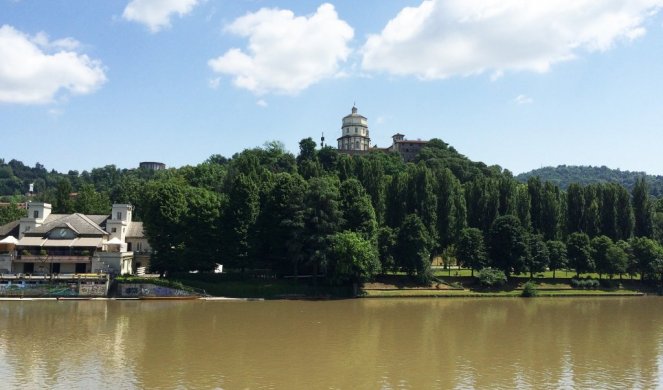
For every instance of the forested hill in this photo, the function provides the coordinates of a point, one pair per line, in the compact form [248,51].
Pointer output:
[563,175]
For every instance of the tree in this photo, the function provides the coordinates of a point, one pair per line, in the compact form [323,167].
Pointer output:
[617,260]
[238,221]
[90,201]
[413,251]
[322,219]
[642,209]
[599,250]
[470,250]
[10,213]
[538,257]
[507,245]
[557,255]
[387,247]
[645,252]
[575,201]
[352,258]
[579,253]
[63,203]
[358,213]
[164,208]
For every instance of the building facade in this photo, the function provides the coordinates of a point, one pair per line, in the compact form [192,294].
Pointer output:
[355,139]
[47,243]
[153,165]
[354,133]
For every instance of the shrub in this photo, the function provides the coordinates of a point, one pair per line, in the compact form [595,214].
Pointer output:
[585,283]
[529,290]
[490,277]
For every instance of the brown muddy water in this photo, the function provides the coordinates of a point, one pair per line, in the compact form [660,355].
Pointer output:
[583,343]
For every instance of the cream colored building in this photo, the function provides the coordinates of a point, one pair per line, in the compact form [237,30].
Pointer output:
[50,243]
[354,133]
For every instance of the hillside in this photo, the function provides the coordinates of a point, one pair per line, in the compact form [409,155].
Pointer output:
[563,175]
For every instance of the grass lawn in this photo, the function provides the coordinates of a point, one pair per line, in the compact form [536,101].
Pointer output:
[510,293]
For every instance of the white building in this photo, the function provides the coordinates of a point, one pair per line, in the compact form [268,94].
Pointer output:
[72,243]
[354,133]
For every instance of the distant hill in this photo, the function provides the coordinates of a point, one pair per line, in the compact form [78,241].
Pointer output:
[563,175]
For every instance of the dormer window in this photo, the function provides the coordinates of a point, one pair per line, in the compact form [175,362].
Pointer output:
[36,214]
[61,234]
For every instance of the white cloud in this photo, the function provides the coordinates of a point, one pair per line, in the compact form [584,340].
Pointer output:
[156,14]
[439,39]
[33,69]
[286,53]
[261,103]
[523,99]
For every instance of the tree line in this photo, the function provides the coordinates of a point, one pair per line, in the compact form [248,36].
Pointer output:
[351,218]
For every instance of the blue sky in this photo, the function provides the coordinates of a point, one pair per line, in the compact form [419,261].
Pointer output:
[517,83]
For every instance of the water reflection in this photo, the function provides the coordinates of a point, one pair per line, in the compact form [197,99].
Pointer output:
[380,344]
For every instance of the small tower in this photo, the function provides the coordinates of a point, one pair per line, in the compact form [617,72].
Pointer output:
[354,132]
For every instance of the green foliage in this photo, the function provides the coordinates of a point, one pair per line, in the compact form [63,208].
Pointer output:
[508,248]
[471,251]
[538,256]
[557,255]
[10,213]
[491,277]
[585,283]
[566,175]
[579,253]
[413,249]
[352,258]
[529,290]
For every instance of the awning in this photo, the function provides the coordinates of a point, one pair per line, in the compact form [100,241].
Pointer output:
[58,243]
[9,240]
[114,241]
[31,241]
[88,242]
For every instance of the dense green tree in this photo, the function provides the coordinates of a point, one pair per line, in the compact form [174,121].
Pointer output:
[10,213]
[238,222]
[164,207]
[579,253]
[625,218]
[550,212]
[600,245]
[575,201]
[609,211]
[90,201]
[522,207]
[63,203]
[557,255]
[617,260]
[644,252]
[396,200]
[538,256]
[471,250]
[413,250]
[358,213]
[508,247]
[322,219]
[642,209]
[387,247]
[352,258]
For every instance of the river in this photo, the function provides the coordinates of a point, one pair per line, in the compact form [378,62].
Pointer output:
[592,343]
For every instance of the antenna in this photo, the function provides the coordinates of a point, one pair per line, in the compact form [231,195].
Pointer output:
[322,140]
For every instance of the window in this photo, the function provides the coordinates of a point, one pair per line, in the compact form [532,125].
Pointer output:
[36,214]
[114,230]
[355,130]
[119,215]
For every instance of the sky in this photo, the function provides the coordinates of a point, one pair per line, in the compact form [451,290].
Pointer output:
[518,83]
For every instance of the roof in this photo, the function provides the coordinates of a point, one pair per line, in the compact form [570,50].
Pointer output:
[135,230]
[81,224]
[405,141]
[10,229]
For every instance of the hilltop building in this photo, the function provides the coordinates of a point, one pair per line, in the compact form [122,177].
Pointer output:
[153,165]
[47,243]
[355,139]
